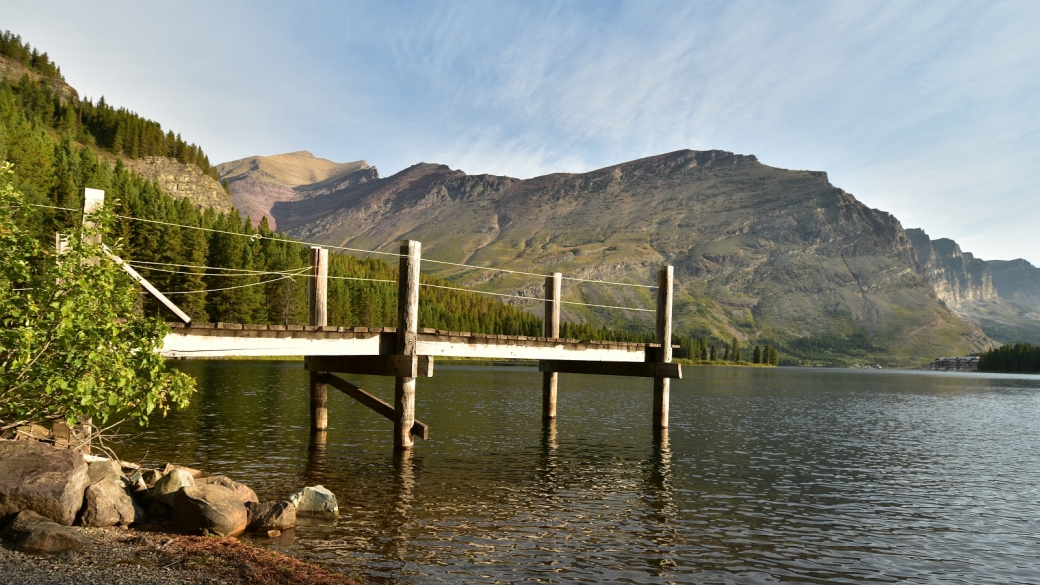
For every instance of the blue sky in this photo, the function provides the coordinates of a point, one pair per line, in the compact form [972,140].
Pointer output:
[930,111]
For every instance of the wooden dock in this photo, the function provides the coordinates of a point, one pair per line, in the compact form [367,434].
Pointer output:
[407,352]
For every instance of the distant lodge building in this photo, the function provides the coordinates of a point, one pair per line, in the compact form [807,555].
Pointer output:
[955,364]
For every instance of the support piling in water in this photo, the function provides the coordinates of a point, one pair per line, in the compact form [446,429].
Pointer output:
[664,338]
[550,380]
[407,328]
[317,289]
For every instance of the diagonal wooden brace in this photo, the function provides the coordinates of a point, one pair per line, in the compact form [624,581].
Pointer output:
[419,429]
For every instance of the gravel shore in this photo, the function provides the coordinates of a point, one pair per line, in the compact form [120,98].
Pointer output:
[145,558]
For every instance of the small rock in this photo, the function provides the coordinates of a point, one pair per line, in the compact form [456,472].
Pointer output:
[195,473]
[315,500]
[209,507]
[274,533]
[170,484]
[38,477]
[271,516]
[30,532]
[67,556]
[244,492]
[150,476]
[106,503]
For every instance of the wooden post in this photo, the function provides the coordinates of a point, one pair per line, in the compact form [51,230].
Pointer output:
[407,327]
[664,337]
[93,200]
[550,380]
[317,288]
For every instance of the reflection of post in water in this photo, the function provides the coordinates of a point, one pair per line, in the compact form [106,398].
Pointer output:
[658,492]
[316,457]
[659,519]
[397,519]
[550,460]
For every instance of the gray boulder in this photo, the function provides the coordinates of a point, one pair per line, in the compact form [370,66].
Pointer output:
[38,477]
[245,493]
[209,507]
[30,532]
[104,469]
[170,484]
[315,501]
[270,516]
[106,503]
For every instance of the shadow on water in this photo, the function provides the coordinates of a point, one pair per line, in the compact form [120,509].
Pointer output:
[764,475]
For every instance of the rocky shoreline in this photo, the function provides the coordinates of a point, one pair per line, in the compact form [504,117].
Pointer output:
[66,516]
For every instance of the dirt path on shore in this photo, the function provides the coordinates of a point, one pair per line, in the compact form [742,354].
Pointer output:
[146,558]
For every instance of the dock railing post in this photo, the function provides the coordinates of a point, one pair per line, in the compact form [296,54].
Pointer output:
[318,289]
[93,200]
[664,337]
[550,380]
[407,327]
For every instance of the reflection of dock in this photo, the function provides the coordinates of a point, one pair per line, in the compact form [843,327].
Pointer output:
[955,364]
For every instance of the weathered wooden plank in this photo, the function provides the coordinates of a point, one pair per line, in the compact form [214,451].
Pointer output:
[148,287]
[401,366]
[477,347]
[642,369]
[210,342]
[419,428]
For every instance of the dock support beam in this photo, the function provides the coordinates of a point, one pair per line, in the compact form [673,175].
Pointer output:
[407,327]
[317,289]
[664,337]
[550,380]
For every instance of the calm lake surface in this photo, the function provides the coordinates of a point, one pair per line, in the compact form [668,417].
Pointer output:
[766,475]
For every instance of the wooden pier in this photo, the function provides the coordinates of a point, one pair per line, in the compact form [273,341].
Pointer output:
[407,352]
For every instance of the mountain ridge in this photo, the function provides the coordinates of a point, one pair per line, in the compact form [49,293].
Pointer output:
[760,253]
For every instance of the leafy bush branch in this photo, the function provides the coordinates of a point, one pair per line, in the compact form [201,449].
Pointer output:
[72,343]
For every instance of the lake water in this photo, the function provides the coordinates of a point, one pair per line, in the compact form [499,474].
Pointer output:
[766,475]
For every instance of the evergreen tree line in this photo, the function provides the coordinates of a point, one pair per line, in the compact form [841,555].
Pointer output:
[1021,357]
[12,47]
[117,131]
[705,349]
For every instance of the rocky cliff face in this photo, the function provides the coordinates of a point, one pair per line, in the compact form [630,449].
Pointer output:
[1017,280]
[759,252]
[1002,298]
[958,277]
[259,182]
[182,181]
[11,69]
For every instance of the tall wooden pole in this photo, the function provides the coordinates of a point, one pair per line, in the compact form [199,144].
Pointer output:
[664,337]
[318,288]
[407,327]
[93,200]
[550,380]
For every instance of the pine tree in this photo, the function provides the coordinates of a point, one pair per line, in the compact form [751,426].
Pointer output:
[757,356]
